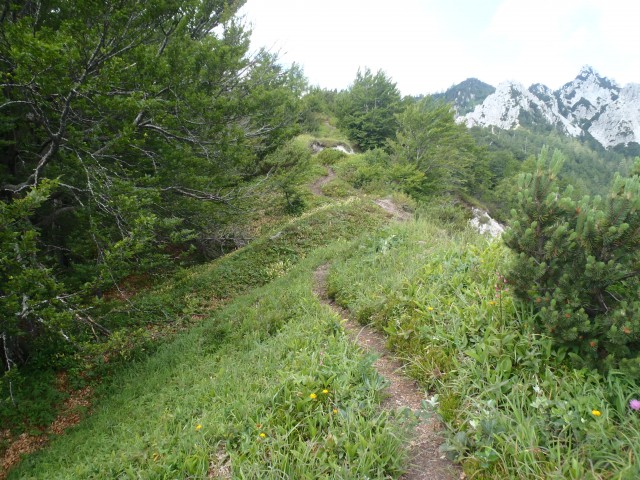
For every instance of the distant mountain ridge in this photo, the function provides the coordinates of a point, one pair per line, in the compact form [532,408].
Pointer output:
[589,105]
[466,95]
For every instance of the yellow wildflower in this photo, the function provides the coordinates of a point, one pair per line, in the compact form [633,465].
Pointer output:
[325,391]
[313,396]
[596,413]
[430,309]
[335,410]
[198,427]
[263,435]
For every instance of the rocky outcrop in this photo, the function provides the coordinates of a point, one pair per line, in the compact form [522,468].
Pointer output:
[588,104]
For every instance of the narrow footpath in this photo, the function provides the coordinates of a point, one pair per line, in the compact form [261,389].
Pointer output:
[427,462]
[316,187]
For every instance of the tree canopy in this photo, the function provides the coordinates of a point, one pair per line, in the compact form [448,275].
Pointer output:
[429,138]
[126,130]
[367,109]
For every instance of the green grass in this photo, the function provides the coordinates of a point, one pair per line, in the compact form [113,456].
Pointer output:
[139,325]
[204,400]
[200,402]
[240,388]
[193,292]
[512,406]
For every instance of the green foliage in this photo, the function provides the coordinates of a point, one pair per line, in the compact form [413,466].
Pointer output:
[235,394]
[35,315]
[512,406]
[338,188]
[429,139]
[577,264]
[376,171]
[330,156]
[589,168]
[149,117]
[35,393]
[447,210]
[367,109]
[289,163]
[317,105]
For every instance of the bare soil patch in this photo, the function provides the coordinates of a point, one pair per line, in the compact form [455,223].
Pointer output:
[427,462]
[316,187]
[391,207]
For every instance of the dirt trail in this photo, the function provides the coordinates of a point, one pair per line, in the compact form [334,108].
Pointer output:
[386,204]
[316,187]
[427,462]
[391,207]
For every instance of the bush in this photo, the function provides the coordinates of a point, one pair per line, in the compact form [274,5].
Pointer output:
[289,156]
[290,162]
[375,170]
[330,156]
[577,264]
[337,188]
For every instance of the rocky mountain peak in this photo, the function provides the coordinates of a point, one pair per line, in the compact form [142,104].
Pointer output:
[587,71]
[589,104]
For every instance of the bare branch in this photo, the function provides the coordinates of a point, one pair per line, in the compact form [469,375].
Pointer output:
[200,194]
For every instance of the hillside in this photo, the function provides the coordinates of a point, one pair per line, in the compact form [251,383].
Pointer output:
[211,269]
[267,382]
[236,385]
[466,95]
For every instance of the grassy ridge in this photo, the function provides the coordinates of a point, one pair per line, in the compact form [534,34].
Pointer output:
[265,384]
[195,290]
[512,406]
[236,390]
[188,296]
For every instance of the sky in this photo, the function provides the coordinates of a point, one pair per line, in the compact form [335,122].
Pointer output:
[427,46]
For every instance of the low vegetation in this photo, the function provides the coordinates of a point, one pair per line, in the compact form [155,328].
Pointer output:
[268,387]
[513,406]
[159,233]
[237,370]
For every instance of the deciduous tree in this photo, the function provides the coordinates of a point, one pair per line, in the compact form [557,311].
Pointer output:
[367,109]
[429,138]
[142,119]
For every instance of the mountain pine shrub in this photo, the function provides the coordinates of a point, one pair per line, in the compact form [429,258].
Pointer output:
[577,263]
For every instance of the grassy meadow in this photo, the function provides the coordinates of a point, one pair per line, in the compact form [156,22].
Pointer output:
[259,380]
[512,406]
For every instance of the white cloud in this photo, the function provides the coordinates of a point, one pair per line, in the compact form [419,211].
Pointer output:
[552,39]
[426,46]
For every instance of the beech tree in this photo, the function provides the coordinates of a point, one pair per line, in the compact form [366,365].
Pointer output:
[126,128]
[367,109]
[429,138]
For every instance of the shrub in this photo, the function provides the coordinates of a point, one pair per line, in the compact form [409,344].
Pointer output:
[376,170]
[290,162]
[330,156]
[577,264]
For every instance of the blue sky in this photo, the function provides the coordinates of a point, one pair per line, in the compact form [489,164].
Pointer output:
[427,46]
